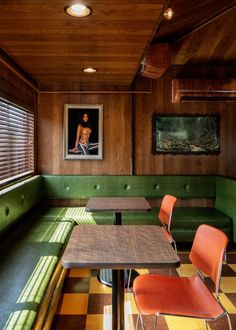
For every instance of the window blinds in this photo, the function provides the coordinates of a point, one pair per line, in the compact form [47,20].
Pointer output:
[16,141]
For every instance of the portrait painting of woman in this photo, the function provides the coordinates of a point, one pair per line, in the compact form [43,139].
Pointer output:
[83,132]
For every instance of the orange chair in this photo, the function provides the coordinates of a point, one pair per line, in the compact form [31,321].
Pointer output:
[165,216]
[186,296]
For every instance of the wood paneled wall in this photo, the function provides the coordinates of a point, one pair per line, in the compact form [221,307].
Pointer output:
[15,89]
[160,101]
[127,131]
[117,133]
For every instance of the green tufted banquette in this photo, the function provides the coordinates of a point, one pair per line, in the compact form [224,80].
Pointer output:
[31,250]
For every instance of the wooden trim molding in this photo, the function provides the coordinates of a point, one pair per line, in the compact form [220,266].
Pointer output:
[203,89]
[16,69]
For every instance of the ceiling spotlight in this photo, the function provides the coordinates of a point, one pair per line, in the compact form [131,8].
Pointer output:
[78,10]
[169,13]
[89,70]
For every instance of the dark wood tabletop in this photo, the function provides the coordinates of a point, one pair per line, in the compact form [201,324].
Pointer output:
[117,204]
[118,247]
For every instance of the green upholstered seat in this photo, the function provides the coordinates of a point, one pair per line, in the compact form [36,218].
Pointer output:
[186,220]
[29,255]
[226,199]
[48,213]
[26,269]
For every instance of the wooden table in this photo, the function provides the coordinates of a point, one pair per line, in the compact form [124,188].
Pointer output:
[119,248]
[117,205]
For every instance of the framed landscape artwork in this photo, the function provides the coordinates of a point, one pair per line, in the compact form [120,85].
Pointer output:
[185,134]
[83,131]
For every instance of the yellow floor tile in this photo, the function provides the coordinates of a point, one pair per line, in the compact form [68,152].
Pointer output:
[97,287]
[99,322]
[228,284]
[79,273]
[73,304]
[129,322]
[227,304]
[142,271]
[233,266]
[187,270]
[104,322]
[130,306]
[184,323]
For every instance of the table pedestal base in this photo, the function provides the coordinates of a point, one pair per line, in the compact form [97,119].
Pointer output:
[105,277]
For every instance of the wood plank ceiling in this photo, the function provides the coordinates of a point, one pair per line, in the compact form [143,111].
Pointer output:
[53,47]
[201,32]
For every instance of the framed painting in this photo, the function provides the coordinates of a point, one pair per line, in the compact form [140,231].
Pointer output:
[83,131]
[185,134]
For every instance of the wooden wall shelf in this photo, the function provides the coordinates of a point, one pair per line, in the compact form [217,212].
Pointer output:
[203,89]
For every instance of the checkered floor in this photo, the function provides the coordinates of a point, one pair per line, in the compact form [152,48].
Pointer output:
[85,304]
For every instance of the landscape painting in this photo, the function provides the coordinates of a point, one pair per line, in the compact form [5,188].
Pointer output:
[185,134]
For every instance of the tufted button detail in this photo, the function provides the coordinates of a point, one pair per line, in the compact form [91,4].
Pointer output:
[156,186]
[186,187]
[22,198]
[97,187]
[67,187]
[127,186]
[7,210]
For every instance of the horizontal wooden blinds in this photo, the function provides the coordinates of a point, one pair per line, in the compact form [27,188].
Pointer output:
[16,141]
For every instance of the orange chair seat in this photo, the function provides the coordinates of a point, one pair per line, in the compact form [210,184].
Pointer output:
[181,296]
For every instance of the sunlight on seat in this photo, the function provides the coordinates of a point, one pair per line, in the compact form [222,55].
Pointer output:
[61,233]
[20,320]
[79,215]
[38,281]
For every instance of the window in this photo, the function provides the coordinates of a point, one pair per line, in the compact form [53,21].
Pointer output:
[16,141]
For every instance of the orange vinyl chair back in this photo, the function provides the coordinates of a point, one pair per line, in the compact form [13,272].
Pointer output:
[208,252]
[166,210]
[165,216]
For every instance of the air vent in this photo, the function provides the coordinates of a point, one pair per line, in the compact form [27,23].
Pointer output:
[203,90]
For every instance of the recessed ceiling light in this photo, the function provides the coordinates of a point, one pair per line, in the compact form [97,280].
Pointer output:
[89,70]
[78,10]
[169,13]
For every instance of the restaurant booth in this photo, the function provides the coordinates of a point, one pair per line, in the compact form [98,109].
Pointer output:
[128,103]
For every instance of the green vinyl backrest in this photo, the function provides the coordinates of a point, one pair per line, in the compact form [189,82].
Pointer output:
[226,199]
[153,186]
[19,198]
